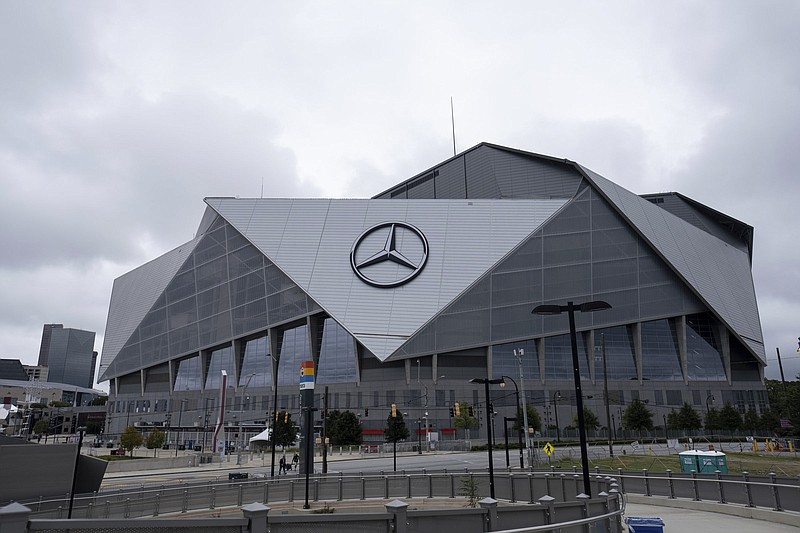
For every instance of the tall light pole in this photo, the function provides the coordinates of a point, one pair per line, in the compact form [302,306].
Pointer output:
[556,397]
[274,407]
[486,383]
[605,394]
[81,431]
[519,354]
[180,429]
[241,435]
[570,309]
[519,422]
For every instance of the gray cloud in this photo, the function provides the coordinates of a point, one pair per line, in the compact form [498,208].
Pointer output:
[116,119]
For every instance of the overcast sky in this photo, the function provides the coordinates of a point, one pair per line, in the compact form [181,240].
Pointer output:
[117,119]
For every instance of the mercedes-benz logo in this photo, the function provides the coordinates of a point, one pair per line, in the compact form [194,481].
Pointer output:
[389,254]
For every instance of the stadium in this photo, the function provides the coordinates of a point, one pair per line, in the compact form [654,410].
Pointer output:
[406,297]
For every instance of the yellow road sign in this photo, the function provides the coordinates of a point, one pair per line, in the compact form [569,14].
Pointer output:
[548,449]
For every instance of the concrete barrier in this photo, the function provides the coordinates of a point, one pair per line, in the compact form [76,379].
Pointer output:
[152,463]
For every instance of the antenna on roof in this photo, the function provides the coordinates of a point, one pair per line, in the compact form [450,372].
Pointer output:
[453,122]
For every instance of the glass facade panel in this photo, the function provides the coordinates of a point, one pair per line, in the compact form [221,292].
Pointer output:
[504,363]
[558,358]
[703,357]
[256,362]
[337,360]
[620,353]
[220,360]
[217,294]
[188,375]
[660,353]
[294,350]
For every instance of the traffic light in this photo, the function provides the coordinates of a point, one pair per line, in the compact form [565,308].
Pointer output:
[452,412]
[471,411]
[286,417]
[456,409]
[394,410]
[366,412]
[277,414]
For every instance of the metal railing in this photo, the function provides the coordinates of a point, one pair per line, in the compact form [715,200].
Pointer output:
[154,501]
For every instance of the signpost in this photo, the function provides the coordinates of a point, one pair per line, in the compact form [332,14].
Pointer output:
[307,421]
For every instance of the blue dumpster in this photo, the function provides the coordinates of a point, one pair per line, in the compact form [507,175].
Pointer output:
[645,524]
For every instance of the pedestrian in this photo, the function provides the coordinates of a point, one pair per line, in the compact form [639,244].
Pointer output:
[282,464]
[295,461]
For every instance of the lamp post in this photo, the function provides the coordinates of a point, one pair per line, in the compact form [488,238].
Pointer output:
[666,432]
[605,394]
[519,354]
[519,422]
[241,435]
[486,383]
[81,432]
[570,309]
[556,397]
[419,436]
[275,408]
[180,429]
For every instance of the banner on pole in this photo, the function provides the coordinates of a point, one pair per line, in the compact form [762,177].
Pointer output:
[307,375]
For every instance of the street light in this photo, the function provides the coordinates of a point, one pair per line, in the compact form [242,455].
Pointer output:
[180,429]
[519,422]
[605,394]
[570,308]
[519,354]
[486,383]
[240,442]
[275,408]
[556,397]
[81,432]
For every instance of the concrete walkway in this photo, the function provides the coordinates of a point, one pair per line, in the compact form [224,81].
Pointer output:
[682,519]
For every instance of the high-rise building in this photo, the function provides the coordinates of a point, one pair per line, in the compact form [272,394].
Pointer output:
[44,349]
[68,354]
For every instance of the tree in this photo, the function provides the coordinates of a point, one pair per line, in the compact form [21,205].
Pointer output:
[60,403]
[637,417]
[155,440]
[130,439]
[729,418]
[284,432]
[396,429]
[712,420]
[464,420]
[686,418]
[751,422]
[770,420]
[534,419]
[589,418]
[343,428]
[41,426]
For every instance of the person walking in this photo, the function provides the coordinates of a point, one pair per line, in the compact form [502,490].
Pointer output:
[282,465]
[295,461]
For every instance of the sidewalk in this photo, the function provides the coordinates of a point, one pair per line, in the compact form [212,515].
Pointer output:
[681,519]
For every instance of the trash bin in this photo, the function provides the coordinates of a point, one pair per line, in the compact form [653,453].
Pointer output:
[645,524]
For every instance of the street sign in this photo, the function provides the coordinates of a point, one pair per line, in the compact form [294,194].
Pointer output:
[548,449]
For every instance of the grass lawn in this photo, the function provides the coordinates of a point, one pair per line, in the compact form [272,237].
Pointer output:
[782,463]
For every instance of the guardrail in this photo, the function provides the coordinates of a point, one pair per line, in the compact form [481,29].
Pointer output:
[603,512]
[182,498]
[751,491]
